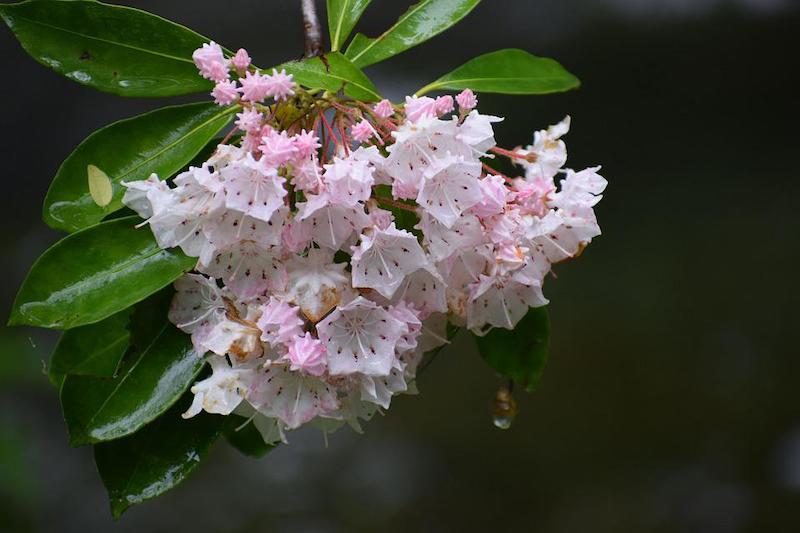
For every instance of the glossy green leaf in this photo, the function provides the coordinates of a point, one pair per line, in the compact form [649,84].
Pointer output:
[114,49]
[342,17]
[422,21]
[333,72]
[94,273]
[519,354]
[157,458]
[509,71]
[91,350]
[243,435]
[163,141]
[149,381]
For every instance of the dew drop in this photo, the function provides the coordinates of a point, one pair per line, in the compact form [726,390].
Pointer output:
[505,408]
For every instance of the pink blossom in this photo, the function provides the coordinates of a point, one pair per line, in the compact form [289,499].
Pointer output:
[278,148]
[349,181]
[211,62]
[251,141]
[411,319]
[307,175]
[306,144]
[532,196]
[241,60]
[384,109]
[298,331]
[280,85]
[380,218]
[307,354]
[419,107]
[255,87]
[279,322]
[444,105]
[225,92]
[504,228]
[466,100]
[363,131]
[495,194]
[249,120]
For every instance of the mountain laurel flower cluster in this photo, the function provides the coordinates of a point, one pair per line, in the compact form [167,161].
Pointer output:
[335,240]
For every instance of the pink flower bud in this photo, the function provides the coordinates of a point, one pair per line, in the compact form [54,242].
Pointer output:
[225,92]
[419,107]
[211,62]
[384,109]
[241,60]
[467,100]
[444,105]
[307,354]
[363,131]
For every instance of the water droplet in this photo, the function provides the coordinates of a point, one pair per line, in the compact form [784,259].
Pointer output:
[505,408]
[502,422]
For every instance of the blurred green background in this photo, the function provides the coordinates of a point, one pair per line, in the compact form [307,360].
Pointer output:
[670,402]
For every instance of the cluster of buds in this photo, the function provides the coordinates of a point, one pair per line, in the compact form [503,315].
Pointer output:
[336,240]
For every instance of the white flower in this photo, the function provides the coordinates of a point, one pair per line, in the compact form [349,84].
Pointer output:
[417,147]
[449,188]
[315,283]
[501,300]
[332,225]
[477,132]
[443,242]
[361,337]
[384,258]
[223,391]
[248,269]
[253,188]
[292,397]
[548,152]
[145,196]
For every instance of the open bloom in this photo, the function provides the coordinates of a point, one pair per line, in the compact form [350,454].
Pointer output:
[324,272]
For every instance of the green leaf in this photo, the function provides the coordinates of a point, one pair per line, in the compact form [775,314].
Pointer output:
[243,435]
[519,354]
[94,273]
[163,141]
[155,459]
[150,380]
[403,218]
[422,21]
[91,350]
[331,72]
[509,71]
[114,49]
[342,17]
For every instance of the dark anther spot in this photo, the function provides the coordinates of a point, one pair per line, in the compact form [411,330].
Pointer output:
[86,56]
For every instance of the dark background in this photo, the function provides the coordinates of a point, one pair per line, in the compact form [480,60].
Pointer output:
[670,402]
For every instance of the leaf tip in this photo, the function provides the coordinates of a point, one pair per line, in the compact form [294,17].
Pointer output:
[118,507]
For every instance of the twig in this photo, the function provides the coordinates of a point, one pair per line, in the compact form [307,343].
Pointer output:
[311,29]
